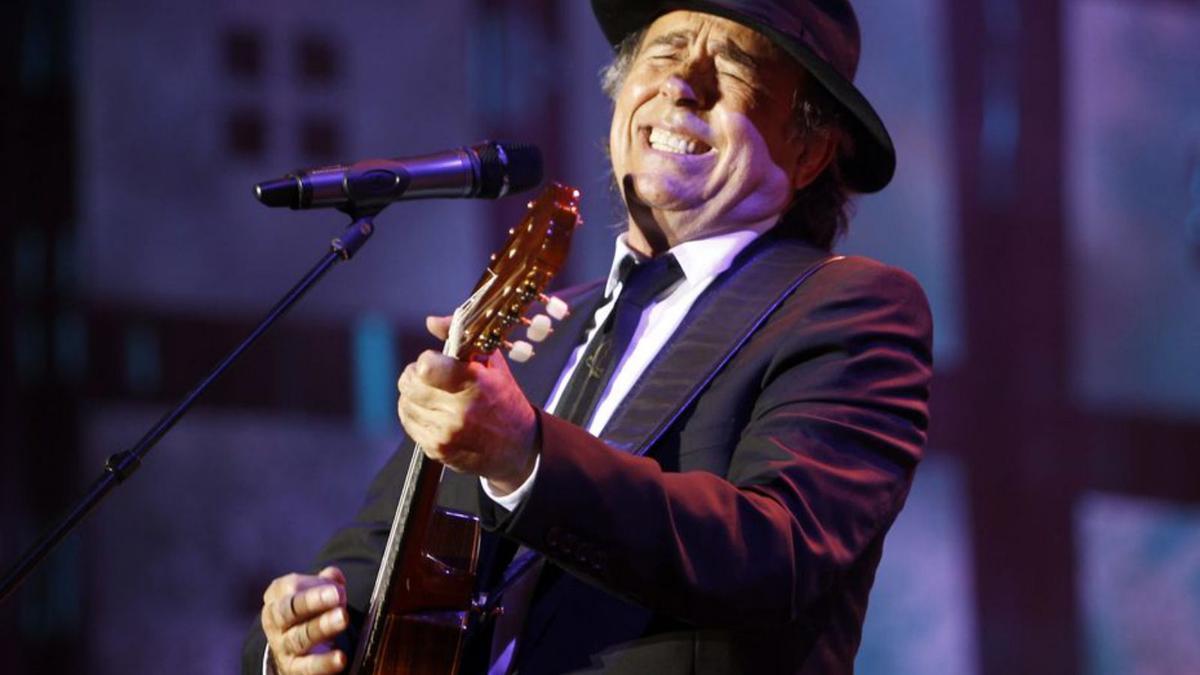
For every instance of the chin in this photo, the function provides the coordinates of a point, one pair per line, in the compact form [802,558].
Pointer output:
[664,193]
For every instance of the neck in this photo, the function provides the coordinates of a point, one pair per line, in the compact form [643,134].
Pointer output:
[648,237]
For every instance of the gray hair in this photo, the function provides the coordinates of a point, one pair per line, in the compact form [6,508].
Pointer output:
[820,211]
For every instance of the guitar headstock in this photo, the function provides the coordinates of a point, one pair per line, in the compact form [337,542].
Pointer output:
[516,277]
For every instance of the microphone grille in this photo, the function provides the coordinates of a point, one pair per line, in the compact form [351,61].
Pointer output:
[507,167]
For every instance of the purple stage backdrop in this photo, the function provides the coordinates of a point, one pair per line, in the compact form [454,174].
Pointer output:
[170,112]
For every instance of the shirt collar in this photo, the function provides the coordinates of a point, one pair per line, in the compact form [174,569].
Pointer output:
[700,259]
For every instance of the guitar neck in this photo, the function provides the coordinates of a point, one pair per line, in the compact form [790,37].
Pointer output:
[416,588]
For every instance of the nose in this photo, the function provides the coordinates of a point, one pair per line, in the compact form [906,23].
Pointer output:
[692,84]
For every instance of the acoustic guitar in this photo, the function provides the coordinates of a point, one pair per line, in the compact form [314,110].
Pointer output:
[423,602]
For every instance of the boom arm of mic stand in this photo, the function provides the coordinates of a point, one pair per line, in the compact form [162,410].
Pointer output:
[122,465]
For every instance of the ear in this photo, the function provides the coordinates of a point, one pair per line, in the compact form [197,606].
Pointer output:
[816,153]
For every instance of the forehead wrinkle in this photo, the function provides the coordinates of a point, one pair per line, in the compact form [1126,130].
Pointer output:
[676,38]
[726,48]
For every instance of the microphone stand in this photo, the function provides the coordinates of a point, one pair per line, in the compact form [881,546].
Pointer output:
[120,466]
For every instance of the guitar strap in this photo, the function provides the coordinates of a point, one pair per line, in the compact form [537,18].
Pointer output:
[725,319]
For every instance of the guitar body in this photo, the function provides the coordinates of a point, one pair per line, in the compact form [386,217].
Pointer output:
[427,636]
[424,597]
[422,623]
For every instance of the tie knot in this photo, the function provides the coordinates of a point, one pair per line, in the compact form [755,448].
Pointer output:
[645,281]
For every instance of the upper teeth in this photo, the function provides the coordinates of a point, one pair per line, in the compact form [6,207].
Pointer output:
[661,139]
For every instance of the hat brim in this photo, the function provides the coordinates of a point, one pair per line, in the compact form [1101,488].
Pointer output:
[867,165]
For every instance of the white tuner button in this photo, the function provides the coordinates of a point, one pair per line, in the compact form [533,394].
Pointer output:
[557,309]
[521,351]
[538,328]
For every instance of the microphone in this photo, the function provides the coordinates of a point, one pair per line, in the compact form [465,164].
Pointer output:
[487,170]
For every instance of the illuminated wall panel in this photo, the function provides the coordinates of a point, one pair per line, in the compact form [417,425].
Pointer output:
[904,73]
[1134,198]
[1139,584]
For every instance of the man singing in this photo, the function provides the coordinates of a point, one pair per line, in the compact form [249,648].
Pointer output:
[708,454]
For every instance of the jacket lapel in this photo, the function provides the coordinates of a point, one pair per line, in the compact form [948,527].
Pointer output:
[722,319]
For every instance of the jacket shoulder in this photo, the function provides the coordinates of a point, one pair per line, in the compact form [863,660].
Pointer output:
[867,284]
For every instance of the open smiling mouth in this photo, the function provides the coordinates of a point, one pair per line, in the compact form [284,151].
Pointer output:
[676,144]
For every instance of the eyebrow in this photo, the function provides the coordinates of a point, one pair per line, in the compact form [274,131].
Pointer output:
[726,48]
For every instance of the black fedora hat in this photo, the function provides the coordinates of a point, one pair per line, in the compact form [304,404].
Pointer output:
[822,35]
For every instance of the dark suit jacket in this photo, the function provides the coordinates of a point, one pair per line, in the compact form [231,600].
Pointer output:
[746,539]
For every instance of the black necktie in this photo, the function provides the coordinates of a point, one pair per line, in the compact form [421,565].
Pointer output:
[641,283]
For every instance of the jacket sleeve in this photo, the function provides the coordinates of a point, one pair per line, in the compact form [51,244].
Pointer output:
[817,473]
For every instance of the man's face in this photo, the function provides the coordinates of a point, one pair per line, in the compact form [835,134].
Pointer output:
[702,136]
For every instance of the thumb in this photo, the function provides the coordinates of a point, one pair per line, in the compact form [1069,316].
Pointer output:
[439,326]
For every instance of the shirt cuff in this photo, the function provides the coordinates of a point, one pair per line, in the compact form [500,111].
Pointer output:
[512,500]
[268,664]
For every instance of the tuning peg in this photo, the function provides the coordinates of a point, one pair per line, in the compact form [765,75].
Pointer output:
[519,351]
[555,307]
[537,329]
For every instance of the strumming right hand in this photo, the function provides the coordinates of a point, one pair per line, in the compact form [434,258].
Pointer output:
[301,616]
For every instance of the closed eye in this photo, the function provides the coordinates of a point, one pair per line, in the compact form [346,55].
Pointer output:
[736,76]
[663,55]
[741,80]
